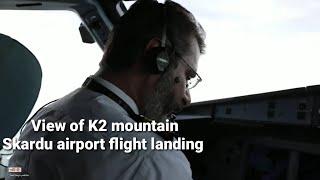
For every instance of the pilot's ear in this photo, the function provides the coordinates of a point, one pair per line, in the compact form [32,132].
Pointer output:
[150,54]
[152,44]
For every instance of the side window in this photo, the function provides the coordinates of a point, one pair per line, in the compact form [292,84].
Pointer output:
[256,46]
[54,38]
[252,47]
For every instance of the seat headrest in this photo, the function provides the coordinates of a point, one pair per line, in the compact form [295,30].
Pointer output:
[20,82]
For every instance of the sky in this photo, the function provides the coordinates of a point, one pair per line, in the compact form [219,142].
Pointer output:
[252,47]
[257,46]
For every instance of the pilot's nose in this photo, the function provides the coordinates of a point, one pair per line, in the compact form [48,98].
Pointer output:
[186,98]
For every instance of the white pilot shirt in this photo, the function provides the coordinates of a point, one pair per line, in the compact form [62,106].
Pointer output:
[99,164]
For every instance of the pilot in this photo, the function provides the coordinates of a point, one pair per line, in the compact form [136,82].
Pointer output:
[147,69]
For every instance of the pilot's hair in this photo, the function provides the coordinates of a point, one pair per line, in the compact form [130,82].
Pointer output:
[144,21]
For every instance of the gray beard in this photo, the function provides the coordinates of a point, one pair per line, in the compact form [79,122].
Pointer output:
[160,103]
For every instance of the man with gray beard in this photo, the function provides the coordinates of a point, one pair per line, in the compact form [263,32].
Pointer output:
[159,104]
[145,74]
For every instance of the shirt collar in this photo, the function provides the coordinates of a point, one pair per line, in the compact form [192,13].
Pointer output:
[118,92]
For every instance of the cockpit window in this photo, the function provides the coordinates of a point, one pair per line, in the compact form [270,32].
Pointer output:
[256,46]
[54,38]
[252,47]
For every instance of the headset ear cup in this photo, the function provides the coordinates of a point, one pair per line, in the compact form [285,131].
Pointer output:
[162,60]
[156,60]
[150,60]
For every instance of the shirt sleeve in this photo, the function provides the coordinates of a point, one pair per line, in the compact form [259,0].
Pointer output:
[161,165]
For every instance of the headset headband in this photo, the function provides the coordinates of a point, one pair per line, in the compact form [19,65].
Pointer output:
[164,28]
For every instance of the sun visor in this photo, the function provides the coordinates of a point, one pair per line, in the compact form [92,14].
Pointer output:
[20,82]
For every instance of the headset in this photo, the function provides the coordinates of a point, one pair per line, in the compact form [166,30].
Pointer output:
[159,55]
